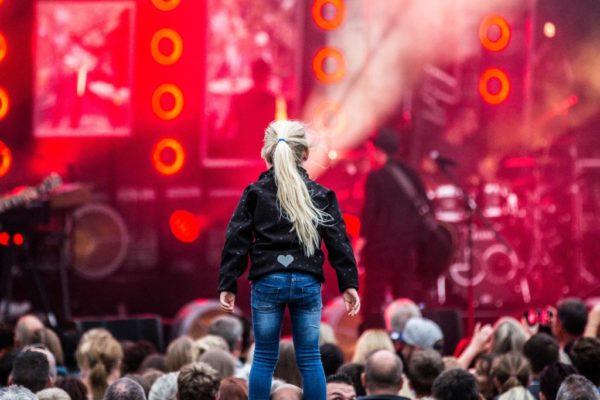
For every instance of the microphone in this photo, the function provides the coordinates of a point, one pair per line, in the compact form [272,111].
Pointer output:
[440,160]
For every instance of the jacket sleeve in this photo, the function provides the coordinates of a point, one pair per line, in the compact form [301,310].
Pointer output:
[238,239]
[340,253]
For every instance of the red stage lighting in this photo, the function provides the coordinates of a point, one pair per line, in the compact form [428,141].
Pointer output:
[329,23]
[352,225]
[319,69]
[158,98]
[166,5]
[500,42]
[3,47]
[185,226]
[176,43]
[4,238]
[168,156]
[18,239]
[494,86]
[5,159]
[4,103]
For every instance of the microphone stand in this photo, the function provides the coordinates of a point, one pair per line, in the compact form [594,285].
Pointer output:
[472,209]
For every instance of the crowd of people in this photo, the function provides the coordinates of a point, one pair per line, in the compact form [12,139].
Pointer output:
[510,360]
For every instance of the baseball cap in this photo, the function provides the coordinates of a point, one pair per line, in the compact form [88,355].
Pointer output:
[422,333]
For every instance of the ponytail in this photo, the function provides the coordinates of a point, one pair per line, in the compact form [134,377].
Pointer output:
[285,148]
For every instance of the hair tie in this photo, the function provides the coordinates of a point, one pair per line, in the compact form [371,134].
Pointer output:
[281,140]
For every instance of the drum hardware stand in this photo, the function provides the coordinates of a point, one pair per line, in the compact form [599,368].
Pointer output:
[472,210]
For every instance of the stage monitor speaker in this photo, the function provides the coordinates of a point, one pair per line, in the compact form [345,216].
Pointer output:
[143,327]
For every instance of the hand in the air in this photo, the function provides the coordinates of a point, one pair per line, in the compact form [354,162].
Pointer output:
[352,301]
[227,300]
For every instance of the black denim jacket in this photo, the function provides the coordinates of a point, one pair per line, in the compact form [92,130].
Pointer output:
[258,229]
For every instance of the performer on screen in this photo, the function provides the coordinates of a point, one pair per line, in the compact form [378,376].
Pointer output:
[390,230]
[280,223]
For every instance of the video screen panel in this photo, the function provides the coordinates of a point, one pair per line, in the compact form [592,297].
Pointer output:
[253,59]
[83,68]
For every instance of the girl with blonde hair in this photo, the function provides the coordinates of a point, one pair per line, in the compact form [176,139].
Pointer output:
[370,341]
[99,357]
[280,222]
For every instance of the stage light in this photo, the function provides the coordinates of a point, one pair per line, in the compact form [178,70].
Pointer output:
[4,238]
[157,101]
[329,117]
[329,23]
[4,103]
[5,159]
[332,154]
[329,55]
[496,77]
[3,47]
[176,46]
[504,33]
[549,30]
[168,156]
[18,239]
[185,226]
[166,5]
[280,108]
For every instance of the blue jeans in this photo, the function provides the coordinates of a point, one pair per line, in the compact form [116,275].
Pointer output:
[302,294]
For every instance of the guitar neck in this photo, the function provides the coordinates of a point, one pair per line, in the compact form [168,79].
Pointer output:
[11,202]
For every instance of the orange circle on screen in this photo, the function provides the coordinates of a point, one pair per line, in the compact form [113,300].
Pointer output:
[4,103]
[5,159]
[176,44]
[490,75]
[168,167]
[173,91]
[166,5]
[3,47]
[503,39]
[319,65]
[333,23]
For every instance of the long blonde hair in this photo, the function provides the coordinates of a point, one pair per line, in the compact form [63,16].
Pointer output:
[284,148]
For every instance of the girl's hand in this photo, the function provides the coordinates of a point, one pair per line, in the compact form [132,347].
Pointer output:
[352,301]
[227,300]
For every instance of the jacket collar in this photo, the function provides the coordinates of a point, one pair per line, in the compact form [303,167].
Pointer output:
[269,173]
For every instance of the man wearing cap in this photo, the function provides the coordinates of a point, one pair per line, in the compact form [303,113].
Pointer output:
[390,230]
[420,334]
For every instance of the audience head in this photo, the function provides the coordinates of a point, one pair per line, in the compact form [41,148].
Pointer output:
[221,361]
[74,387]
[125,389]
[354,371]
[229,328]
[511,370]
[340,387]
[541,350]
[286,368]
[40,348]
[233,389]
[99,357]
[31,370]
[153,361]
[551,378]
[577,387]
[455,384]
[326,334]
[16,392]
[585,355]
[383,373]
[424,367]
[287,392]
[206,343]
[398,312]
[52,394]
[164,388]
[332,358]
[508,336]
[370,341]
[24,329]
[50,339]
[179,353]
[570,320]
[197,381]
[134,355]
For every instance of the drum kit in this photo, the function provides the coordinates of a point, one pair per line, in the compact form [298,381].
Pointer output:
[517,235]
